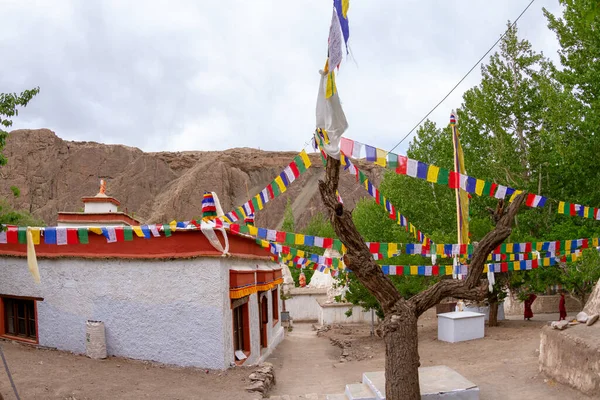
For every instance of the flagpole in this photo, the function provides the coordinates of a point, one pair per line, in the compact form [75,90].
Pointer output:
[456,190]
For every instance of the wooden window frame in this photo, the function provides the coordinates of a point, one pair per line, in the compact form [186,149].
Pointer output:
[246,345]
[275,304]
[3,327]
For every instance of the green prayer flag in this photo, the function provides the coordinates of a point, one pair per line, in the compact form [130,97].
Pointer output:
[244,229]
[383,249]
[443,177]
[127,233]
[337,245]
[487,188]
[392,160]
[300,164]
[275,188]
[290,238]
[255,204]
[406,270]
[362,177]
[167,230]
[22,234]
[83,235]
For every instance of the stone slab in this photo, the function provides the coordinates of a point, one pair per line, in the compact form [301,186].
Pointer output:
[438,382]
[359,391]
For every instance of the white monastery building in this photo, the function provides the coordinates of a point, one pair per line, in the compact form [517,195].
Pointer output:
[174,300]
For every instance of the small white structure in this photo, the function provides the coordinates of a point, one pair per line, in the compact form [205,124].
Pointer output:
[460,326]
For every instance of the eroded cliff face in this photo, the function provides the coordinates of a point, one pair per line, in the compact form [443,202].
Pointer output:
[53,175]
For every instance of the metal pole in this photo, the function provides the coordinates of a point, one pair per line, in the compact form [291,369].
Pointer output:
[372,322]
[9,375]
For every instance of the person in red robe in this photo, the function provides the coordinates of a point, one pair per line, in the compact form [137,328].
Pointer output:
[561,307]
[528,312]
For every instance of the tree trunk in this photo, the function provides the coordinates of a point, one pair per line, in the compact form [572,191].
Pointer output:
[400,324]
[401,357]
[493,320]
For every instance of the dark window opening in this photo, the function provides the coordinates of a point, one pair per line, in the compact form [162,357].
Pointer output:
[19,318]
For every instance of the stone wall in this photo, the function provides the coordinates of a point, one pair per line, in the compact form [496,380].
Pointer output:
[542,305]
[572,356]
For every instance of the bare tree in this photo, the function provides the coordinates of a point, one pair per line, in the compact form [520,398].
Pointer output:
[400,323]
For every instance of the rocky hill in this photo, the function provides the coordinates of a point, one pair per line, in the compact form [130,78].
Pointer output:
[54,174]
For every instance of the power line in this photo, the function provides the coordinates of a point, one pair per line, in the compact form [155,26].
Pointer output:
[464,77]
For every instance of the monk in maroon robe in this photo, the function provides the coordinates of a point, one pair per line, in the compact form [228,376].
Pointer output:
[561,307]
[528,312]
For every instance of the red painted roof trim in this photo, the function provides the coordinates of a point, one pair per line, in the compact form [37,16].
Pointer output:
[182,244]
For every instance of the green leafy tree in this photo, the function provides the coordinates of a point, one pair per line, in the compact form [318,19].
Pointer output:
[9,108]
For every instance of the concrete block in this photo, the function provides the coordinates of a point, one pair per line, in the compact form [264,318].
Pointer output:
[460,326]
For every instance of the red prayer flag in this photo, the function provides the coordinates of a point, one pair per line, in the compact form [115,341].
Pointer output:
[72,236]
[493,189]
[285,249]
[402,162]
[119,234]
[557,248]
[528,247]
[454,180]
[374,247]
[435,270]
[12,234]
[504,266]
[280,237]
[294,169]
[327,243]
[572,210]
[534,263]
[463,249]
[270,190]
[497,250]
[585,243]
[235,228]
[347,146]
[530,200]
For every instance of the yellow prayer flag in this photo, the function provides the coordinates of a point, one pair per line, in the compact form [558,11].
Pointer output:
[439,249]
[516,266]
[509,247]
[35,235]
[265,243]
[98,231]
[568,245]
[280,183]
[514,195]
[546,262]
[448,269]
[595,242]
[392,248]
[305,158]
[299,239]
[252,230]
[242,212]
[485,269]
[414,270]
[561,207]
[432,173]
[173,225]
[539,245]
[344,249]
[300,253]
[586,211]
[381,157]
[479,185]
[366,185]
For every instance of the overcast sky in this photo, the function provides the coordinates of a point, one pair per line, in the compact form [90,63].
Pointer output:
[211,75]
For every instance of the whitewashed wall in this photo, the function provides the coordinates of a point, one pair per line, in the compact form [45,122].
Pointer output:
[336,314]
[303,304]
[165,311]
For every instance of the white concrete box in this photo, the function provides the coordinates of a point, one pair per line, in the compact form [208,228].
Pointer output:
[460,326]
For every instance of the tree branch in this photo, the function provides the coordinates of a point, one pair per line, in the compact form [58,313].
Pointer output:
[472,288]
[358,258]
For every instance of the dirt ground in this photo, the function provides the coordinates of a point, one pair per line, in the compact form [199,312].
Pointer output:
[50,374]
[504,364]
